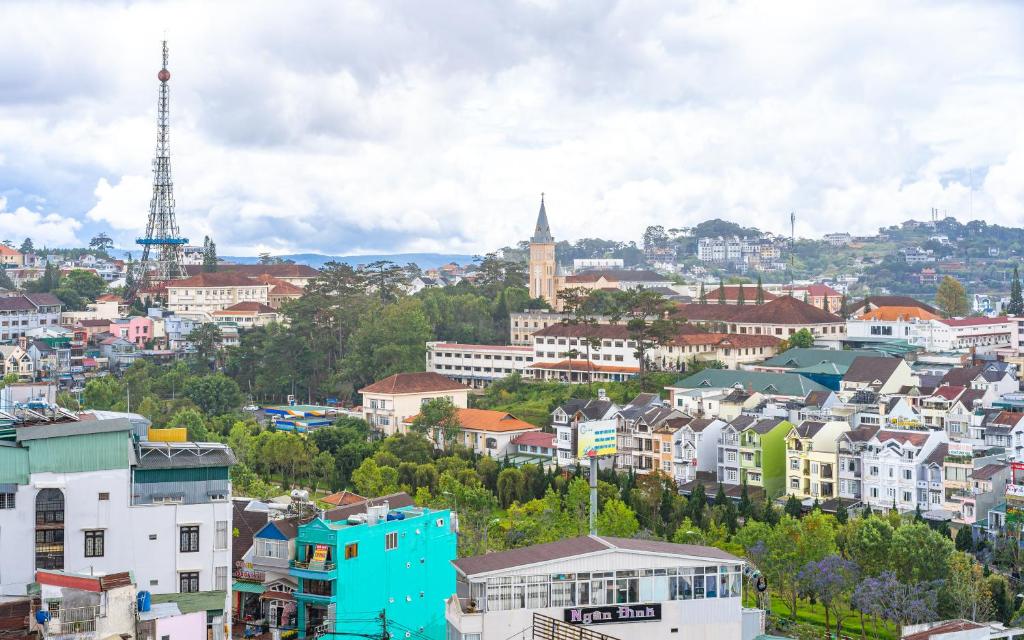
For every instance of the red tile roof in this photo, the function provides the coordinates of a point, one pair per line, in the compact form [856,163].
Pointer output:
[903,437]
[422,382]
[535,439]
[279,287]
[7,251]
[1009,418]
[275,270]
[784,310]
[949,392]
[583,365]
[728,340]
[215,279]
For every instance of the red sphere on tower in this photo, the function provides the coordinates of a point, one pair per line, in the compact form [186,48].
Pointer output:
[164,75]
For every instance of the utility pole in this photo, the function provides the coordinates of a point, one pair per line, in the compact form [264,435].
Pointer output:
[593,495]
[384,634]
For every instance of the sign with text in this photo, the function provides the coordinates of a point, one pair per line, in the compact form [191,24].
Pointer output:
[617,613]
[596,439]
[319,553]
[1015,490]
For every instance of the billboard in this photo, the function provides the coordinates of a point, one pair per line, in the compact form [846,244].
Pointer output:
[596,438]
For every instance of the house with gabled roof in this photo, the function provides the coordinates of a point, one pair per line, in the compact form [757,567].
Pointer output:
[879,374]
[695,448]
[811,448]
[636,423]
[388,403]
[900,471]
[849,447]
[762,454]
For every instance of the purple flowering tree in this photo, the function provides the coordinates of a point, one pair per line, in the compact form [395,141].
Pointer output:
[831,581]
[885,598]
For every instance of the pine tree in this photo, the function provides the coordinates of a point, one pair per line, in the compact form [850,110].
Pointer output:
[209,255]
[703,299]
[844,313]
[793,507]
[1016,306]
[721,291]
[842,515]
[759,295]
[964,539]
[824,304]
[27,246]
[741,298]
[745,506]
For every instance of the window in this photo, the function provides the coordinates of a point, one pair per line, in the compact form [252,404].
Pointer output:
[189,540]
[874,492]
[906,474]
[271,548]
[220,578]
[391,541]
[906,496]
[6,500]
[104,496]
[351,550]
[94,544]
[188,582]
[222,534]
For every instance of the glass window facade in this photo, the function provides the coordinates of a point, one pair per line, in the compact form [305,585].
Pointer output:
[609,587]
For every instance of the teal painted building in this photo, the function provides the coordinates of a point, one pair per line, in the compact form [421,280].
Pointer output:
[396,561]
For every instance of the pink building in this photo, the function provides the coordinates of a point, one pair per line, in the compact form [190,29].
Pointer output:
[137,329]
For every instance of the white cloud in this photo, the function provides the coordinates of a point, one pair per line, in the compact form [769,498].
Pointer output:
[366,126]
[45,229]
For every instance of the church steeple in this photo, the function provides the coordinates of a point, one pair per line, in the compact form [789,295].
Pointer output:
[542,233]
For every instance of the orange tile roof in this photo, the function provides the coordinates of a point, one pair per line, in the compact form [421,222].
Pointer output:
[890,314]
[343,498]
[494,421]
[7,251]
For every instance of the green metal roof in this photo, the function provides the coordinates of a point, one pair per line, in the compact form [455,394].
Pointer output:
[192,602]
[786,384]
[829,368]
[800,358]
[247,587]
[76,453]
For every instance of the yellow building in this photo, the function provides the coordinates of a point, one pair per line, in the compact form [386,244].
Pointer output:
[812,469]
[543,267]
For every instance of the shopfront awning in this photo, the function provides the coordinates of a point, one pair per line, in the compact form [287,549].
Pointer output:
[247,587]
[278,595]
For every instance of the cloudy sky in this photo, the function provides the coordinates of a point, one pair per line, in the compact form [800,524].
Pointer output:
[358,127]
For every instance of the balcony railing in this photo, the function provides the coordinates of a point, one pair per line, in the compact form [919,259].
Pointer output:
[313,566]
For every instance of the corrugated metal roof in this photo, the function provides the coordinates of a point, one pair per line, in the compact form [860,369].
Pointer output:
[85,427]
[91,452]
[13,465]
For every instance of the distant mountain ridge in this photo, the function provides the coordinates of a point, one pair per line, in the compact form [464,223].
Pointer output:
[422,260]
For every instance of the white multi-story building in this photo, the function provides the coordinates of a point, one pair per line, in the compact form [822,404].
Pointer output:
[389,403]
[477,365]
[850,448]
[695,448]
[88,496]
[582,264]
[902,469]
[22,313]
[202,294]
[963,334]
